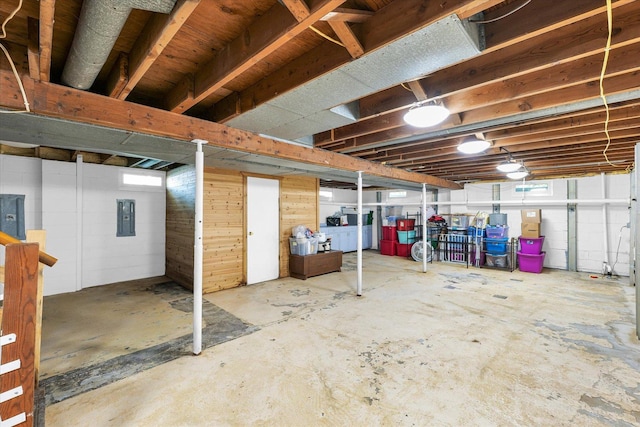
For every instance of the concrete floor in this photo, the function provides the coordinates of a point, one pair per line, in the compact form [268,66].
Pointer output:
[452,347]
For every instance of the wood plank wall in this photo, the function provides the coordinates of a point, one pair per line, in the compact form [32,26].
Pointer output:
[180,211]
[223,261]
[224,218]
[298,206]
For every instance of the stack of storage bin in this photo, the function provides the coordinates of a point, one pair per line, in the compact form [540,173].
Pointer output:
[389,239]
[496,242]
[406,236]
[530,256]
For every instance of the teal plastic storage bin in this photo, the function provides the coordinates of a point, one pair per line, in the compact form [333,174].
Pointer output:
[407,236]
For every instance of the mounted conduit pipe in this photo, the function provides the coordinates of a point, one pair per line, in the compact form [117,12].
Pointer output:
[98,28]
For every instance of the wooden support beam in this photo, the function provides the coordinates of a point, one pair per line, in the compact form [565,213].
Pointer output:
[118,76]
[19,317]
[418,90]
[541,16]
[348,15]
[348,38]
[47,15]
[298,9]
[52,100]
[33,48]
[259,41]
[155,36]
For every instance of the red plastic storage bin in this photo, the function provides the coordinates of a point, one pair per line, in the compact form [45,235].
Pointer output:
[389,232]
[403,249]
[531,263]
[531,245]
[387,247]
[405,224]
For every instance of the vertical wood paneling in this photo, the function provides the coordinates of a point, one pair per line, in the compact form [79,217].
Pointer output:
[223,262]
[298,206]
[180,211]
[224,224]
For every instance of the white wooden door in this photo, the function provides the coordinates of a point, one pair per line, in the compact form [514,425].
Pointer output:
[263,229]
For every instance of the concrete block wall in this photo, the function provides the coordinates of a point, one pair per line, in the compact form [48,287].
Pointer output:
[106,257]
[23,175]
[83,238]
[60,220]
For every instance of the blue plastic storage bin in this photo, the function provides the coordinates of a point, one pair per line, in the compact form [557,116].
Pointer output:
[496,246]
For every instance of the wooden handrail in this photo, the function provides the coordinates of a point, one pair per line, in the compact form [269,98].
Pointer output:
[43,257]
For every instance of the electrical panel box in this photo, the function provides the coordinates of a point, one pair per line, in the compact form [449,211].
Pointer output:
[126,218]
[12,215]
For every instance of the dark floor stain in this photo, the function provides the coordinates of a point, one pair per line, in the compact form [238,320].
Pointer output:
[614,349]
[341,295]
[221,326]
[450,287]
[287,313]
[603,405]
[292,305]
[167,290]
[500,296]
[299,293]
[516,280]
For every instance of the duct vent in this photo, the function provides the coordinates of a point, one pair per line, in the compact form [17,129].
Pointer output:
[98,29]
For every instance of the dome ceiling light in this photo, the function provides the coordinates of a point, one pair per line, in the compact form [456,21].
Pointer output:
[426,114]
[473,145]
[519,174]
[508,165]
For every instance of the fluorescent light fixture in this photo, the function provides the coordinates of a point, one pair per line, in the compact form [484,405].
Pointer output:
[473,145]
[426,114]
[518,175]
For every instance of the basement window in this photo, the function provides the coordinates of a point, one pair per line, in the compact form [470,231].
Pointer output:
[397,194]
[143,181]
[537,189]
[326,194]
[152,181]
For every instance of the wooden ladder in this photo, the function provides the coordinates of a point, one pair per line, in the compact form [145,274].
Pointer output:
[20,337]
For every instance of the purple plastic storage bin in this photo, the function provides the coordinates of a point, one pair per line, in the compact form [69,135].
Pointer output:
[496,231]
[531,263]
[531,245]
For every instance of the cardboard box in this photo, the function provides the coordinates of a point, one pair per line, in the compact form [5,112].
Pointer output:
[530,229]
[531,216]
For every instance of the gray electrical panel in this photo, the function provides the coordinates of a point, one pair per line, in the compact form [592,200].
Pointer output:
[126,218]
[12,215]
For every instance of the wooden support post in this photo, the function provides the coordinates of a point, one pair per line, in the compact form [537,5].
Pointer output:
[39,237]
[21,286]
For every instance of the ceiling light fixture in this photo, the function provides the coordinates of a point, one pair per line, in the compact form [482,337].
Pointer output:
[508,165]
[426,114]
[473,145]
[519,174]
